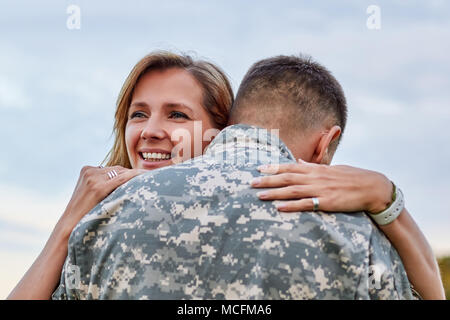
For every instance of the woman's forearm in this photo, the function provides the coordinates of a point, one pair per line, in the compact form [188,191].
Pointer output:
[417,256]
[42,277]
[348,189]
[93,186]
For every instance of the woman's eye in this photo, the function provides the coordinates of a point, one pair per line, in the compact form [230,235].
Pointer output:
[137,114]
[178,115]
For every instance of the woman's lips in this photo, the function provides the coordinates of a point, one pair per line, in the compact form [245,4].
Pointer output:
[153,163]
[147,164]
[155,156]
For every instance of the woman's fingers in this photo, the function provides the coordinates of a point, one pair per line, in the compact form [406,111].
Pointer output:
[98,182]
[93,185]
[279,180]
[123,175]
[115,173]
[285,167]
[340,188]
[297,205]
[291,192]
[112,172]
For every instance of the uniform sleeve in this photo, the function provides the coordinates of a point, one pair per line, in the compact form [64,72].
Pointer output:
[387,276]
[69,281]
[60,292]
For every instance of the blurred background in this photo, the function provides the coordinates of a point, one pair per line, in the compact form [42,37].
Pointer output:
[62,64]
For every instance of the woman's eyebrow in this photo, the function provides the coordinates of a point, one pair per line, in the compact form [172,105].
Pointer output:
[177,104]
[139,104]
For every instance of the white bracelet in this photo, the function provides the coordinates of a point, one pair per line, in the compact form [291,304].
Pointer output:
[391,213]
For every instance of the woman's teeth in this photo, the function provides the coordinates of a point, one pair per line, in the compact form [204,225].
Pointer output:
[155,156]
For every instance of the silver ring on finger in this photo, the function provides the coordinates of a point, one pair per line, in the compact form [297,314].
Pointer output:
[112,174]
[315,204]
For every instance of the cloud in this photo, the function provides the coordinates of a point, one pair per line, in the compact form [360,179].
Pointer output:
[27,218]
[376,105]
[12,95]
[13,267]
[29,211]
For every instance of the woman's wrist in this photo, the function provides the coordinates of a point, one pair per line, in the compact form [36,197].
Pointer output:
[60,234]
[381,194]
[64,226]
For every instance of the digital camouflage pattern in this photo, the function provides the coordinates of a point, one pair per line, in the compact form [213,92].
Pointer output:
[197,230]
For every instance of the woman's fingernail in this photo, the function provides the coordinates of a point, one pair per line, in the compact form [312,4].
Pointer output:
[281,206]
[262,194]
[268,168]
[256,181]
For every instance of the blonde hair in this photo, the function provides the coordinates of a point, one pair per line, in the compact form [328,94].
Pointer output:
[217,95]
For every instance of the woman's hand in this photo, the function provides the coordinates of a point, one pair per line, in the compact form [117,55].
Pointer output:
[339,188]
[93,185]
[347,189]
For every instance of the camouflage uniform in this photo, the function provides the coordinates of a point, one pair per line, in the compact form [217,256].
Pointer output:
[197,230]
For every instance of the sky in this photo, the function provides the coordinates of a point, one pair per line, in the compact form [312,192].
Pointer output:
[59,85]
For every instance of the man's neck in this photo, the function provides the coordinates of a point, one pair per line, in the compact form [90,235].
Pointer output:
[239,137]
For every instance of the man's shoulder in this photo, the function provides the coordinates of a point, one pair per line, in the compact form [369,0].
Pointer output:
[200,176]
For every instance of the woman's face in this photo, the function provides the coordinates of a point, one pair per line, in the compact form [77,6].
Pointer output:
[164,106]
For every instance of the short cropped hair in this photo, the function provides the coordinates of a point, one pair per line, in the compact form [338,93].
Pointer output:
[293,92]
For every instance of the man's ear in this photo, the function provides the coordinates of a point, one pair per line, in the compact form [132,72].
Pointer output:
[321,155]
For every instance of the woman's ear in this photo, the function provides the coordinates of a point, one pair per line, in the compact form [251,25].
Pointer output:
[321,155]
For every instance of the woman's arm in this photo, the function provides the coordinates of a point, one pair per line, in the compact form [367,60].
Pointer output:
[349,189]
[93,185]
[417,256]
[41,279]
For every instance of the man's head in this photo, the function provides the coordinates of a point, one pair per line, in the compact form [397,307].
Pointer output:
[300,98]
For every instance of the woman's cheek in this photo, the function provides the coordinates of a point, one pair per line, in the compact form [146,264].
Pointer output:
[131,140]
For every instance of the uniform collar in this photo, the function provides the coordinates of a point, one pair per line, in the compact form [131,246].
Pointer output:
[240,136]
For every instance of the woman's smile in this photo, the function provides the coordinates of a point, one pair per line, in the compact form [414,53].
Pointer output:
[154,158]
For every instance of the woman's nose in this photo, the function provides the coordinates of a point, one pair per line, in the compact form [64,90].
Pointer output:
[153,130]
